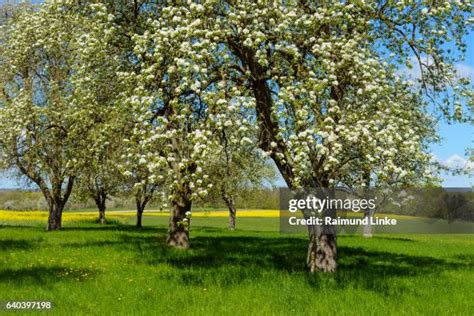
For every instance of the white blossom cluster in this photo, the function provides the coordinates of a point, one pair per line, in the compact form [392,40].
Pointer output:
[181,142]
[340,110]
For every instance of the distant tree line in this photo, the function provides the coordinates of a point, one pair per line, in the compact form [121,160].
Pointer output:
[257,198]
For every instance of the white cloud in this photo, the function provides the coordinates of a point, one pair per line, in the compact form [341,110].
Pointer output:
[465,70]
[414,74]
[457,162]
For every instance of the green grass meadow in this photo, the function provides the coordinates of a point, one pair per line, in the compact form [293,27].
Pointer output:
[89,269]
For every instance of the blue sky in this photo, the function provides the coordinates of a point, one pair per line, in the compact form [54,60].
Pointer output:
[457,137]
[450,151]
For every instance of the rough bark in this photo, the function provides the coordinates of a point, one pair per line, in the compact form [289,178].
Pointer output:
[56,201]
[232,211]
[178,234]
[55,215]
[140,210]
[322,247]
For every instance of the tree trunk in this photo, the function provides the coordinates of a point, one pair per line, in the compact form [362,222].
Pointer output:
[178,234]
[139,215]
[55,215]
[367,230]
[102,215]
[232,212]
[55,198]
[142,197]
[322,249]
[100,201]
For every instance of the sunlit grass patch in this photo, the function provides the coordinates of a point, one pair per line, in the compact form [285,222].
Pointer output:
[119,269]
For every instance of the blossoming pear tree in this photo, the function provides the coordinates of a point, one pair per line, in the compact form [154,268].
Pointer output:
[239,166]
[35,111]
[141,179]
[99,116]
[118,158]
[175,117]
[324,81]
[49,116]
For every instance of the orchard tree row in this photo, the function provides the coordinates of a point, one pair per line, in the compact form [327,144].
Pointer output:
[194,97]
[73,132]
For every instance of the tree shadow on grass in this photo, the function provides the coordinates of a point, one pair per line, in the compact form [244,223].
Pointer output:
[44,276]
[15,244]
[469,259]
[30,226]
[230,260]
[207,229]
[114,227]
[84,226]
[124,242]
[379,270]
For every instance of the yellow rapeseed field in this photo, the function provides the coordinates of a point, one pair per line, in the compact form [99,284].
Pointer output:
[80,216]
[43,215]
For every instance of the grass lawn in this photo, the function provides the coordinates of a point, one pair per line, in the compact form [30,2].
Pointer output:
[91,269]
